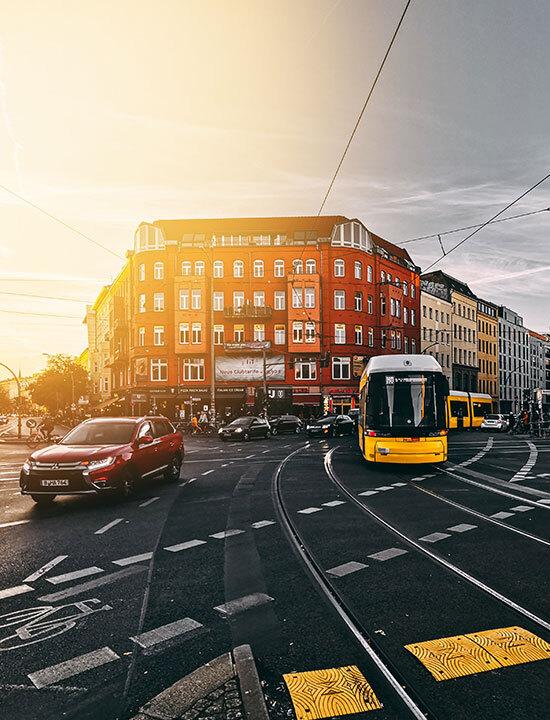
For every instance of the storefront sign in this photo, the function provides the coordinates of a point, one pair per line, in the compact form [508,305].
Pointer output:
[255,345]
[139,397]
[250,368]
[186,391]
[228,390]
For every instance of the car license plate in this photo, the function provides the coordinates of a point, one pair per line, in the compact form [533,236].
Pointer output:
[55,482]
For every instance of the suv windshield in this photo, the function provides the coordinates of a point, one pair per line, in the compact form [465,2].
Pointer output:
[100,433]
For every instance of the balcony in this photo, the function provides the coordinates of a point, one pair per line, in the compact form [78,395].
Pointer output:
[248,311]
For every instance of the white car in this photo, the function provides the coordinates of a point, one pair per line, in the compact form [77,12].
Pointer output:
[496,423]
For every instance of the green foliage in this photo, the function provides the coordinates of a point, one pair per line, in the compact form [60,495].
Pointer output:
[63,381]
[5,402]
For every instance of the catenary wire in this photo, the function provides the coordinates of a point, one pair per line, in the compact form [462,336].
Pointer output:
[51,315]
[47,297]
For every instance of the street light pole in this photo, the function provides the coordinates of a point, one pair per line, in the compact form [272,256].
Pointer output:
[18,399]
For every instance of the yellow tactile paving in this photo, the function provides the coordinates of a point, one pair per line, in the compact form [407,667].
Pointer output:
[452,657]
[318,694]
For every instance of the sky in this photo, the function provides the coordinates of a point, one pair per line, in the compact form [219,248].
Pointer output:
[116,113]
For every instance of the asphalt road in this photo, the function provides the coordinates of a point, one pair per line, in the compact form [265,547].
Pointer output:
[305,552]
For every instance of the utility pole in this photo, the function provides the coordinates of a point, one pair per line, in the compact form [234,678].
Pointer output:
[18,399]
[264,363]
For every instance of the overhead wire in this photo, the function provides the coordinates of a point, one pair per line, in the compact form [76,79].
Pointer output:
[50,315]
[46,297]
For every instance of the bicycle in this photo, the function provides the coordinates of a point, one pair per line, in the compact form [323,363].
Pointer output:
[38,437]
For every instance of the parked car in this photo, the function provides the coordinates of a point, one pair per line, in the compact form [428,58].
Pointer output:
[496,423]
[286,424]
[245,428]
[104,455]
[354,415]
[331,426]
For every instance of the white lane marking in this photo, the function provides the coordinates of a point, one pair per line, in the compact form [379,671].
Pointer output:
[226,533]
[188,481]
[532,459]
[399,484]
[92,584]
[133,559]
[17,590]
[74,666]
[502,515]
[265,451]
[185,545]
[478,456]
[388,554]
[369,492]
[207,472]
[346,568]
[543,475]
[544,502]
[334,503]
[148,502]
[310,510]
[463,527]
[435,537]
[384,487]
[234,607]
[263,523]
[225,464]
[45,568]
[521,508]
[417,479]
[14,522]
[108,526]
[161,635]
[76,575]
[248,457]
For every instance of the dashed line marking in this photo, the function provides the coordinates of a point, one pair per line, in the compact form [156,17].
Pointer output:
[92,584]
[148,502]
[346,568]
[150,641]
[74,666]
[369,492]
[108,526]
[133,559]
[522,508]
[16,590]
[435,537]
[262,523]
[13,522]
[239,605]
[208,472]
[463,527]
[399,484]
[388,554]
[334,503]
[76,575]
[226,534]
[310,510]
[502,515]
[185,545]
[45,568]
[385,487]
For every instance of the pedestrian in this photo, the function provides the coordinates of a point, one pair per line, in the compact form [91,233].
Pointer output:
[195,425]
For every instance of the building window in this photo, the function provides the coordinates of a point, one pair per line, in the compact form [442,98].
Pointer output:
[341,368]
[413,313]
[406,344]
[305,369]
[340,334]
[405,288]
[259,298]
[382,304]
[297,267]
[309,297]
[358,301]
[392,307]
[186,268]
[339,268]
[196,333]
[193,369]
[413,341]
[158,271]
[141,336]
[371,337]
[279,268]
[310,332]
[398,308]
[238,299]
[413,291]
[158,335]
[370,308]
[279,334]
[199,267]
[218,335]
[259,333]
[369,273]
[279,299]
[238,333]
[297,297]
[159,369]
[405,315]
[383,339]
[141,303]
[218,301]
[339,299]
[218,268]
[141,272]
[158,302]
[358,270]
[398,338]
[297,332]
[358,334]
[184,333]
[196,299]
[184,299]
[311,267]
[258,268]
[392,339]
[238,269]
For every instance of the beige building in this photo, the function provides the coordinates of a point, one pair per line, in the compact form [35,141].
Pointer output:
[487,349]
[436,311]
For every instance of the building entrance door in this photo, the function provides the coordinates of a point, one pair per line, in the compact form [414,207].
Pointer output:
[341,406]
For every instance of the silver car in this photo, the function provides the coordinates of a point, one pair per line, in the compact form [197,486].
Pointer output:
[496,423]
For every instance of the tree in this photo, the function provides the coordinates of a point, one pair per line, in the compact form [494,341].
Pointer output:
[62,382]
[5,401]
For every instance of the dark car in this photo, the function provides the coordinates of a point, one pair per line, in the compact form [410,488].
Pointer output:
[104,455]
[245,428]
[330,426]
[286,424]
[354,415]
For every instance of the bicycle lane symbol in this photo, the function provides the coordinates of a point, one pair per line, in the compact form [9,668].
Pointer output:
[39,624]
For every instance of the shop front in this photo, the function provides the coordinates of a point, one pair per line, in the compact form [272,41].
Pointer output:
[340,400]
[306,401]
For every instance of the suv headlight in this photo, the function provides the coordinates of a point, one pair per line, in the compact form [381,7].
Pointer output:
[238,430]
[98,464]
[27,465]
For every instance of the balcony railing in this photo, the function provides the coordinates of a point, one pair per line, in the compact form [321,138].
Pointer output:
[248,311]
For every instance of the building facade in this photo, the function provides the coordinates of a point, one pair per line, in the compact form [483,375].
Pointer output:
[539,351]
[487,349]
[436,313]
[513,350]
[225,311]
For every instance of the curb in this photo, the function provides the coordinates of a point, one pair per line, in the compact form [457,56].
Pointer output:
[186,693]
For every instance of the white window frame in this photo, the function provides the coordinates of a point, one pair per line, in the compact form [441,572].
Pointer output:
[142,299]
[186,268]
[358,270]
[158,270]
[339,267]
[199,268]
[219,334]
[297,297]
[369,273]
[238,333]
[279,300]
[184,299]
[217,269]
[311,266]
[297,267]
[339,333]
[300,372]
[344,368]
[193,369]
[141,337]
[238,268]
[259,298]
[279,335]
[279,268]
[339,299]
[358,301]
[238,298]
[297,332]
[158,302]
[218,300]
[196,333]
[259,332]
[158,335]
[141,272]
[358,334]
[309,332]
[184,334]
[159,370]
[196,299]
[258,268]
[309,297]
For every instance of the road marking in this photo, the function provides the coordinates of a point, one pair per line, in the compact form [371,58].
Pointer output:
[185,545]
[265,451]
[16,590]
[13,522]
[346,568]
[225,464]
[76,575]
[108,526]
[262,523]
[239,605]
[133,559]
[477,457]
[502,515]
[533,455]
[522,508]
[369,492]
[463,527]
[544,502]
[399,484]
[310,510]
[148,502]
[543,475]
[384,487]
[334,503]
[435,537]
[331,693]
[187,481]
[208,472]
[226,534]
[452,657]
[248,457]
[45,568]
[418,479]
[92,584]
[388,554]
[150,640]
[74,666]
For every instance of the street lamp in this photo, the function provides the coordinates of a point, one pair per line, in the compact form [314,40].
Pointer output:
[18,399]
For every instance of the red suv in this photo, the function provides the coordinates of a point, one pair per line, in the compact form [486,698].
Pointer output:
[104,455]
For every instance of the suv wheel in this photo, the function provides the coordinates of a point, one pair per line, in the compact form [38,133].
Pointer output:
[172,472]
[246,436]
[127,485]
[43,499]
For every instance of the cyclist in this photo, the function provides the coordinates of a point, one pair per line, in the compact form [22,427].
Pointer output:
[45,427]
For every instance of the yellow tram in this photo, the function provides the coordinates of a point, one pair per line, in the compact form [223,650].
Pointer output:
[466,409]
[402,406]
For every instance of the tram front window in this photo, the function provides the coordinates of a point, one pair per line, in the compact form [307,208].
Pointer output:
[410,403]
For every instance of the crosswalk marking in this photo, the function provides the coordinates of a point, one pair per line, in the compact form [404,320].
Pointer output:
[74,666]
